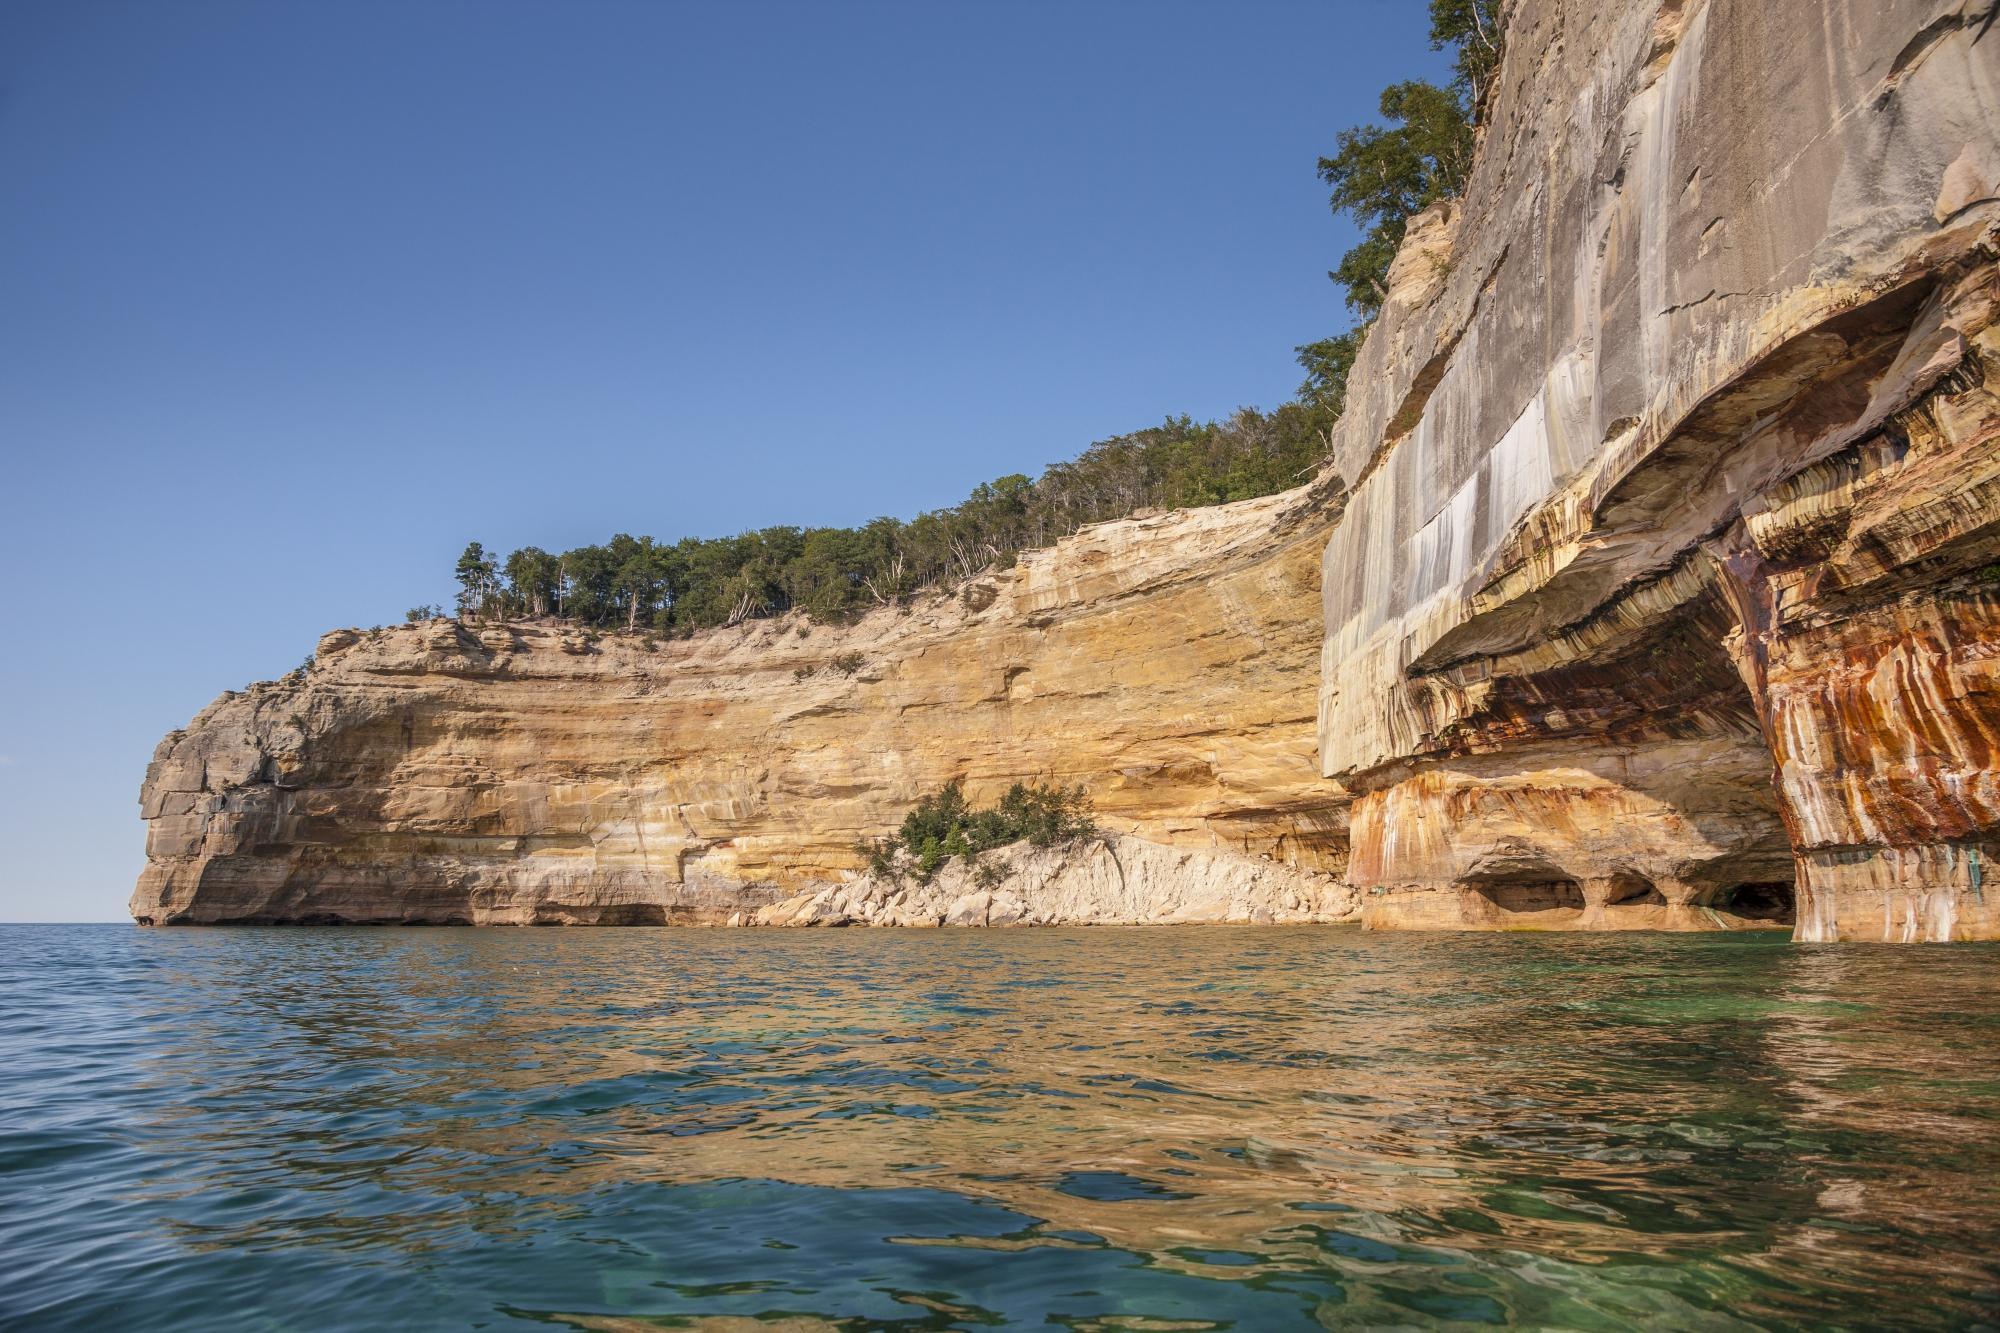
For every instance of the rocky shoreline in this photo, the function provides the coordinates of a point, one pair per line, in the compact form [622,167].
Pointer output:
[1090,882]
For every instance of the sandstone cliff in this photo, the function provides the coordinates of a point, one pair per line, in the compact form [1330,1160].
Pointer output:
[1668,580]
[529,773]
[1655,583]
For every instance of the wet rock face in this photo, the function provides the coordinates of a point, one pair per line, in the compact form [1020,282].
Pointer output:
[1886,729]
[533,773]
[1666,593]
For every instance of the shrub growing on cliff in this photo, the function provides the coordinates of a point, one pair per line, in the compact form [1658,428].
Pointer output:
[944,824]
[1326,364]
[1384,176]
[880,857]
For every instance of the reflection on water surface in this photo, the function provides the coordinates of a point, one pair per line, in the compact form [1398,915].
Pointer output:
[1127,1128]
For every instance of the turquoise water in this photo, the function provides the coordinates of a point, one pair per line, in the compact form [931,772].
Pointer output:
[1130,1129]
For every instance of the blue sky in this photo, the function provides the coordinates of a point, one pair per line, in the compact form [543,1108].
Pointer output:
[297,298]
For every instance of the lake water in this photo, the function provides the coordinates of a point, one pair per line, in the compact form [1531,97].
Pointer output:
[1084,1129]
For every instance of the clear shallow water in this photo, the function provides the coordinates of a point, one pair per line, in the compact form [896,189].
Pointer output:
[1146,1128]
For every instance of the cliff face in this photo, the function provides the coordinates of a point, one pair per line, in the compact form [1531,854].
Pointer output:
[527,773]
[1665,594]
[1670,579]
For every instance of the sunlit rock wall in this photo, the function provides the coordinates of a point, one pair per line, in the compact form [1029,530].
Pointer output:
[529,773]
[1666,594]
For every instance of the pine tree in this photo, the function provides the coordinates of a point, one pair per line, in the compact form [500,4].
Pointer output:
[477,580]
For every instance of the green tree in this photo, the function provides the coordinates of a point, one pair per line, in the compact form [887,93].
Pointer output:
[1472,29]
[533,578]
[590,572]
[1384,175]
[641,578]
[477,580]
[1327,363]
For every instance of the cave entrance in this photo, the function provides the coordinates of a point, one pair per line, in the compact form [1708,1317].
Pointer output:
[1770,900]
[1531,895]
[1629,890]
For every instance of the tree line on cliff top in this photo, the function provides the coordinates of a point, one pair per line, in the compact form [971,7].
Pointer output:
[1380,175]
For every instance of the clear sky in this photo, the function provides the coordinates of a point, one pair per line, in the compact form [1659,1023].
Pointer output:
[295,299]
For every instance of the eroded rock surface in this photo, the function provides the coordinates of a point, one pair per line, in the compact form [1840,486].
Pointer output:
[1666,593]
[1668,589]
[531,772]
[1094,882]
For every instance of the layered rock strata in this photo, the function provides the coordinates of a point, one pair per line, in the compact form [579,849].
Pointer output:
[532,773]
[1665,595]
[1670,578]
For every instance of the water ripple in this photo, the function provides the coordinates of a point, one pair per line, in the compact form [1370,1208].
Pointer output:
[1196,1128]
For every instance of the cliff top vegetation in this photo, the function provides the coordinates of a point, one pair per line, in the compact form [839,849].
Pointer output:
[1380,175]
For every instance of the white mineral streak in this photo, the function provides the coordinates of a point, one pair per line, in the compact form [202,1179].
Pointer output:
[1686,370]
